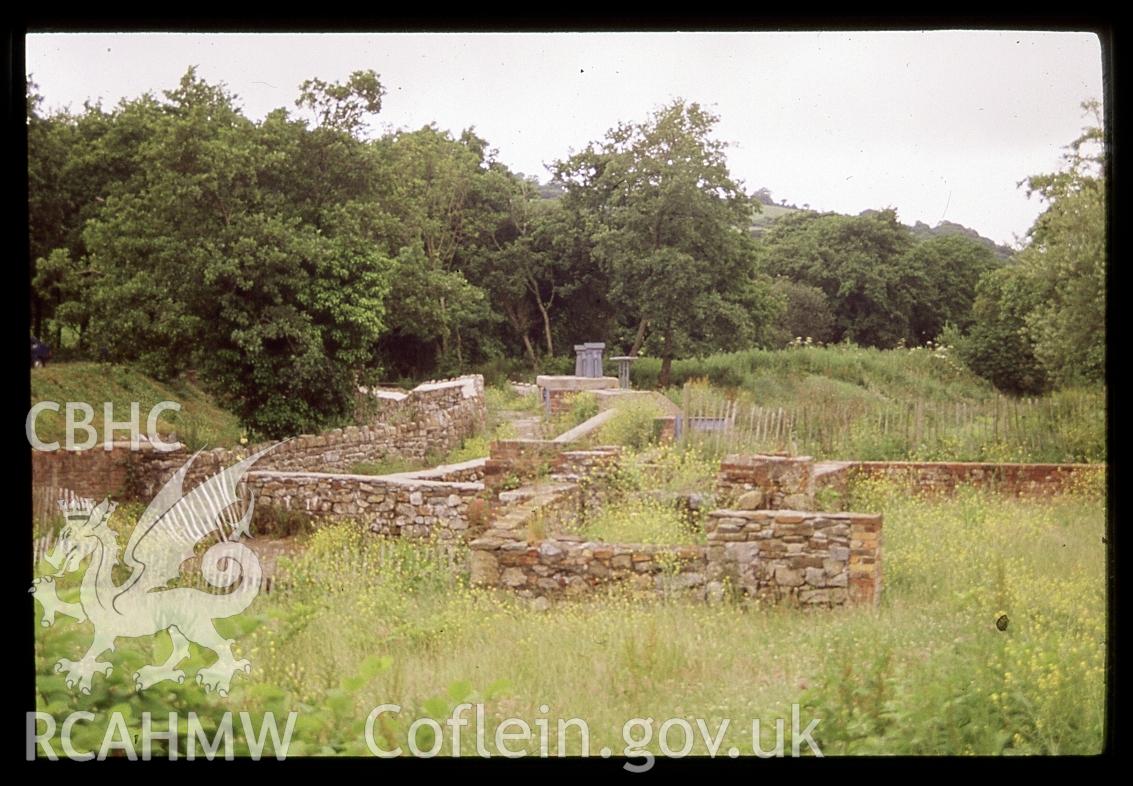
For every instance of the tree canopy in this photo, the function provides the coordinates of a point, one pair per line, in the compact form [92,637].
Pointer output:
[287,261]
[668,226]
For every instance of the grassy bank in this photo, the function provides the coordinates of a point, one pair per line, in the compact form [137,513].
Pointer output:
[845,402]
[199,423]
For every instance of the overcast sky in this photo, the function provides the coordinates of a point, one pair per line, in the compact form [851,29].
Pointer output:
[939,125]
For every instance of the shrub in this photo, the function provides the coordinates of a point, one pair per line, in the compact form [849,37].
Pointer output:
[632,427]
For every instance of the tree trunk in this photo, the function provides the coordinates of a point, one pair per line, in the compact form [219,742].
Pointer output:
[640,338]
[666,366]
[530,352]
[533,288]
[546,328]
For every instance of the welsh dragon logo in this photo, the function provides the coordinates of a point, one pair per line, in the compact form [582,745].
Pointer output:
[143,605]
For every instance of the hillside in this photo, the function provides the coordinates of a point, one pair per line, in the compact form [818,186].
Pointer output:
[923,231]
[890,404]
[767,215]
[199,423]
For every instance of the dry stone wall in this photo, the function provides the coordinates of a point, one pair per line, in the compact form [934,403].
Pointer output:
[796,557]
[766,481]
[394,506]
[775,555]
[568,566]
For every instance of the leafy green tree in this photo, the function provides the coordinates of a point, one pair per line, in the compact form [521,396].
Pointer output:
[804,313]
[199,267]
[1066,257]
[343,106]
[859,262]
[997,346]
[951,267]
[1041,321]
[668,227]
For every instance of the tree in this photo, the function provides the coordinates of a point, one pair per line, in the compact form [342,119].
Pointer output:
[668,227]
[997,346]
[343,106]
[1041,320]
[804,313]
[859,262]
[276,301]
[1066,258]
[950,266]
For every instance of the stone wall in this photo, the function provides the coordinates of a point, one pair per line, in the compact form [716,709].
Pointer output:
[512,462]
[781,555]
[766,482]
[945,477]
[796,557]
[432,417]
[568,566]
[389,505]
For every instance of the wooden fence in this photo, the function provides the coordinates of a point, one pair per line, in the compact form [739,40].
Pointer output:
[1000,428]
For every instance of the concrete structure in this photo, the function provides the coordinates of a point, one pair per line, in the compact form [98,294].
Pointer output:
[588,359]
[556,391]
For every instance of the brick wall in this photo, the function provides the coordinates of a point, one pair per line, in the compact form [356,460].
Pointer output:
[944,477]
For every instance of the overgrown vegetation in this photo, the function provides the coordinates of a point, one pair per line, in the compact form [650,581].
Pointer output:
[847,402]
[640,519]
[358,621]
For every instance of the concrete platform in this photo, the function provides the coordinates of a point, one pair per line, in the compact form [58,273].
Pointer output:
[572,383]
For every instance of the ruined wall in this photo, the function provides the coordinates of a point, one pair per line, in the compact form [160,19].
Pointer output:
[944,477]
[395,506]
[779,556]
[433,417]
[796,557]
[567,566]
[88,473]
[557,393]
[766,482]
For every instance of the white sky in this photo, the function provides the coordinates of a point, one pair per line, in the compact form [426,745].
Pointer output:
[939,125]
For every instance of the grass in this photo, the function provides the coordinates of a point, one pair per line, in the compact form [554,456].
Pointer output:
[581,406]
[637,519]
[849,402]
[777,376]
[200,422]
[358,622]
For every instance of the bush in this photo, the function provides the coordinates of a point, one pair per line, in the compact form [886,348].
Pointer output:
[632,427]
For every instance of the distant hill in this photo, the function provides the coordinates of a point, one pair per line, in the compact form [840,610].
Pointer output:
[924,231]
[767,215]
[769,212]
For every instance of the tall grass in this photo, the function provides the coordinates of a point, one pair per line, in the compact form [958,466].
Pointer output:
[1066,426]
[362,622]
[775,376]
